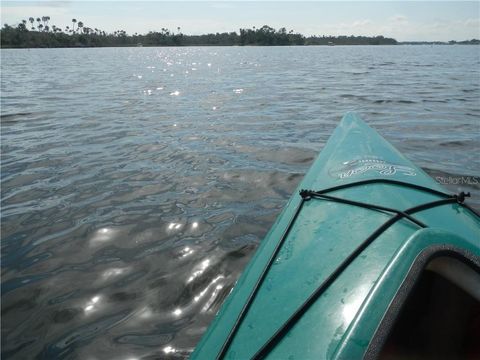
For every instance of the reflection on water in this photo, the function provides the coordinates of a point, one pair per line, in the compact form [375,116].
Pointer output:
[203,265]
[137,182]
[110,273]
[186,251]
[92,304]
[102,235]
[168,350]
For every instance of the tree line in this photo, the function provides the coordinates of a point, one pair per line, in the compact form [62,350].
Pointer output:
[37,32]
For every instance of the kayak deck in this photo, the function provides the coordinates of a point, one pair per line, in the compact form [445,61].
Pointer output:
[318,270]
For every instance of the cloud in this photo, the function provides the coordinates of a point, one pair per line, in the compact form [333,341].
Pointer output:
[356,27]
[440,29]
[401,28]
[361,23]
[474,23]
[398,19]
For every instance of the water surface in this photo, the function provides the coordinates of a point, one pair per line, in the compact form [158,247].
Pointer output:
[137,182]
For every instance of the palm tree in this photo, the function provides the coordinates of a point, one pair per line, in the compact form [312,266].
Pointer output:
[31,19]
[45,20]
[40,27]
[23,25]
[38,21]
[73,24]
[178,28]
[79,26]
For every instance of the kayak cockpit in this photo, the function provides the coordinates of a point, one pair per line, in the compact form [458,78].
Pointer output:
[440,317]
[425,305]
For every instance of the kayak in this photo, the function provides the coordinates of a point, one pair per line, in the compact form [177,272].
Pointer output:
[370,258]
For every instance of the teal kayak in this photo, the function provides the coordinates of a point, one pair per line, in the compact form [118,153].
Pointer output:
[370,258]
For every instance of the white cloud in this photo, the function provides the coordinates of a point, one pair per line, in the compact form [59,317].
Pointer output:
[401,28]
[399,19]
[356,27]
[440,29]
[474,23]
[361,23]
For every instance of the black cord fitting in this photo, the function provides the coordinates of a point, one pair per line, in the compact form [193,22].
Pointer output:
[306,194]
[461,197]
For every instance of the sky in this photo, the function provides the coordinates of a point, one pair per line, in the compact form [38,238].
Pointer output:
[402,20]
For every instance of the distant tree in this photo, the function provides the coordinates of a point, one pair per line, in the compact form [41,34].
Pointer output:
[38,22]
[22,26]
[45,20]
[80,26]
[73,24]
[31,19]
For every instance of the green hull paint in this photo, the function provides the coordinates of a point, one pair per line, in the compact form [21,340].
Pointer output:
[343,320]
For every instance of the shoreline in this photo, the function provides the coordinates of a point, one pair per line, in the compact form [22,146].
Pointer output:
[21,37]
[234,45]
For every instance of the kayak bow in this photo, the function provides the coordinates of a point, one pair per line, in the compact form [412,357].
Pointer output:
[338,274]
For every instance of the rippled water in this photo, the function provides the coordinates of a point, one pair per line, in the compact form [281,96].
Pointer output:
[137,182]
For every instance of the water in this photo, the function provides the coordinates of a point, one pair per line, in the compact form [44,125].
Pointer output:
[137,182]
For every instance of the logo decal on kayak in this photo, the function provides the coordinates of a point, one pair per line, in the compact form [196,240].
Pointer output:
[372,164]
